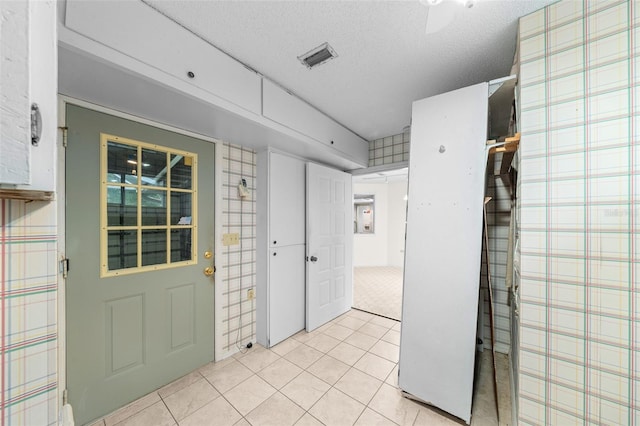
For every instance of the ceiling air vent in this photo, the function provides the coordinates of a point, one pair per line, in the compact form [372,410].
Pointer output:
[317,56]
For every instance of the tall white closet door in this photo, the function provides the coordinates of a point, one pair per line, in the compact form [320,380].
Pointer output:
[443,248]
[286,200]
[286,292]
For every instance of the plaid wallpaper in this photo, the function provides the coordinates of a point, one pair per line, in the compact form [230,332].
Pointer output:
[579,213]
[28,293]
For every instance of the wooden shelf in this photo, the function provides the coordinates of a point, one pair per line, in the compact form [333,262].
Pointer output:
[508,150]
[26,195]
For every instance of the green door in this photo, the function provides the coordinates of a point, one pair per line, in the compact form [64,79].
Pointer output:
[139,231]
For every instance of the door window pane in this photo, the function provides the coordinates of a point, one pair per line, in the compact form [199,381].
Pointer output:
[154,167]
[180,245]
[122,249]
[122,206]
[181,208]
[154,247]
[138,198]
[122,163]
[181,169]
[154,207]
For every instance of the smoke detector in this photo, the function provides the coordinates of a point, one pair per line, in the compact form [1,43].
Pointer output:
[318,56]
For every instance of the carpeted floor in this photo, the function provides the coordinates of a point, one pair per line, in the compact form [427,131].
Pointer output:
[378,289]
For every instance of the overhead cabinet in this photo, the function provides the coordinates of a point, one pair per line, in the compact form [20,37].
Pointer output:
[167,46]
[281,247]
[28,124]
[291,111]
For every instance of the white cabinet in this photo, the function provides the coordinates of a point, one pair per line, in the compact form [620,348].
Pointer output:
[137,30]
[28,75]
[280,256]
[283,108]
[286,292]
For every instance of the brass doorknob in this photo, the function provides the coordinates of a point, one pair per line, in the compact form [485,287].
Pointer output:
[208,254]
[208,271]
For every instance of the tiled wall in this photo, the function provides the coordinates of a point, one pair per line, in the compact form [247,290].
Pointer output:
[391,149]
[498,219]
[29,340]
[236,323]
[579,289]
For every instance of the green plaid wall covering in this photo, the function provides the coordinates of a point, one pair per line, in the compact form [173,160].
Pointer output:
[580,214]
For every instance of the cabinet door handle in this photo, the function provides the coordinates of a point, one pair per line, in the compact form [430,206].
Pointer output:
[274,253]
[274,242]
[313,259]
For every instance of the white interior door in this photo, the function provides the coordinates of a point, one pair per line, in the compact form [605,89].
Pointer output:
[329,244]
[443,248]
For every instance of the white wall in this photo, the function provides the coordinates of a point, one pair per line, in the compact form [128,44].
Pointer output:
[385,247]
[371,249]
[397,211]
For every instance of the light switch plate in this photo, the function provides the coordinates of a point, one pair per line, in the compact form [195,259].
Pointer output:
[230,239]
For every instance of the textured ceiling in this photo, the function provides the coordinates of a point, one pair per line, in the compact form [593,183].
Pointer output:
[385,58]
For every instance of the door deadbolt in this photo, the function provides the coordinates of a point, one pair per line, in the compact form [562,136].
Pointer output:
[208,254]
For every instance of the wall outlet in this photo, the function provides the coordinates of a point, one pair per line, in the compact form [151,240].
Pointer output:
[230,239]
[251,294]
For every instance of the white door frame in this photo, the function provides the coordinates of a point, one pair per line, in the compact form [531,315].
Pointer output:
[61,211]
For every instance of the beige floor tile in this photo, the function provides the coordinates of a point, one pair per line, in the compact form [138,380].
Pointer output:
[256,361]
[375,366]
[154,415]
[286,346]
[378,289]
[362,315]
[208,369]
[383,322]
[242,422]
[189,399]
[131,409]
[323,343]
[373,330]
[397,327]
[308,420]
[304,337]
[328,369]
[231,375]
[97,423]
[179,384]
[338,332]
[216,413]
[392,378]
[386,350]
[352,322]
[336,408]
[431,417]
[249,394]
[358,385]
[392,336]
[371,418]
[305,390]
[362,341]
[303,356]
[390,403]
[278,410]
[280,373]
[346,353]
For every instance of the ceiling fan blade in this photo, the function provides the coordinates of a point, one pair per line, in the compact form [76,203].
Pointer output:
[441,15]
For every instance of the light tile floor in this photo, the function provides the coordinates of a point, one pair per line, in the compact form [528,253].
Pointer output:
[378,289]
[344,373]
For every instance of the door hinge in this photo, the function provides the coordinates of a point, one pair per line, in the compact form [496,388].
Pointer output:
[64,267]
[65,397]
[64,135]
